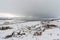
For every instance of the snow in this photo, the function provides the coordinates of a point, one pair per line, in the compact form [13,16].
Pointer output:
[48,34]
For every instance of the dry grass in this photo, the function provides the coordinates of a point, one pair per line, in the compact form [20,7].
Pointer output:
[50,26]
[8,36]
[5,28]
[13,35]
[37,33]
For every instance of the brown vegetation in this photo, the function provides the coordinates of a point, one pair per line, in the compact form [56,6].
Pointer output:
[37,33]
[50,26]
[5,28]
[20,33]
[8,36]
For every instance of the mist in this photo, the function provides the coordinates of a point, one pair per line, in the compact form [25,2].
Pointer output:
[31,8]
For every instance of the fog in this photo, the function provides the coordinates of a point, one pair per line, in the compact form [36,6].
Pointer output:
[31,8]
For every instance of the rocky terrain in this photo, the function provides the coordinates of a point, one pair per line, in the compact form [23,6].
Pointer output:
[33,30]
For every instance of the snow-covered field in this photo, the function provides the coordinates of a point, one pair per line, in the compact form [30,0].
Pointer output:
[33,30]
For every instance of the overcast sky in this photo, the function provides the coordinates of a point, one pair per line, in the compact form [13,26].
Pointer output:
[33,8]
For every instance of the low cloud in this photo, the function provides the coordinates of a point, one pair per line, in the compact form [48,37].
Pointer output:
[31,8]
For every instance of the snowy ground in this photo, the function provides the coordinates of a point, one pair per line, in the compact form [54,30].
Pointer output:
[48,34]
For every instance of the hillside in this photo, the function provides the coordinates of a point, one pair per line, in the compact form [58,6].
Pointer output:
[32,30]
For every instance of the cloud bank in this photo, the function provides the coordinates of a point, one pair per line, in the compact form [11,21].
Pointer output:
[31,8]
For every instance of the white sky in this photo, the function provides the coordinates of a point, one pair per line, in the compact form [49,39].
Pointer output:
[34,8]
[7,15]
